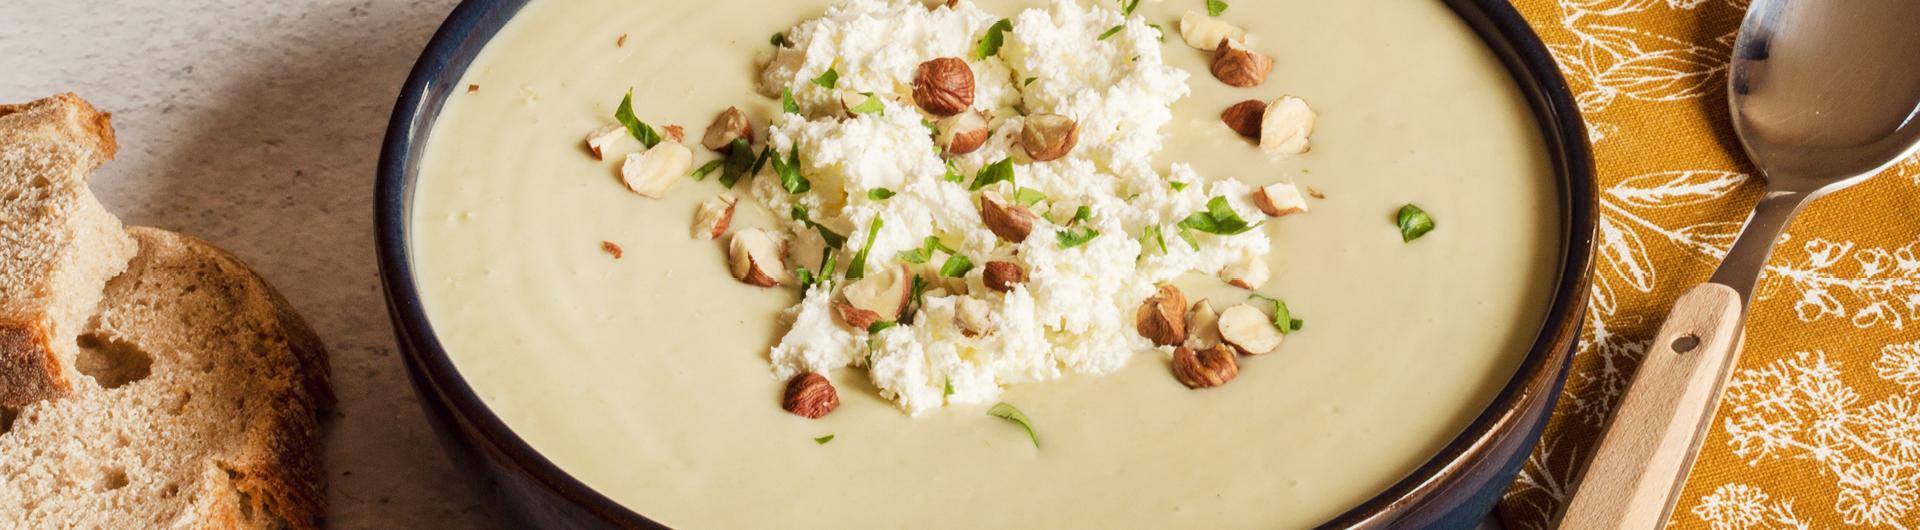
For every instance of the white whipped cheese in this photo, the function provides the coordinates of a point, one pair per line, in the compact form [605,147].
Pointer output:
[1074,313]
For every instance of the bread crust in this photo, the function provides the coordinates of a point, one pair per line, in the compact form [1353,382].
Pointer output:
[60,246]
[29,371]
[238,380]
[278,473]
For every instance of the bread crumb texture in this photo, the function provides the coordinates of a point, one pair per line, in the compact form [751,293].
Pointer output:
[198,408]
[61,245]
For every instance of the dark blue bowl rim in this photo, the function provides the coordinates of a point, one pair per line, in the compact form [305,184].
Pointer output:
[1500,26]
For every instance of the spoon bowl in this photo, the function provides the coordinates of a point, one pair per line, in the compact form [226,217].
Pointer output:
[1823,96]
[1823,93]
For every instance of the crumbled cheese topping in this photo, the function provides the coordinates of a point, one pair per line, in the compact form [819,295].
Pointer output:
[1074,312]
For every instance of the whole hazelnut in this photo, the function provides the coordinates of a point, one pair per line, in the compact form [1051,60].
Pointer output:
[944,86]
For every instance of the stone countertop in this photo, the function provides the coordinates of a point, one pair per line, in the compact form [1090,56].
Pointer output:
[256,126]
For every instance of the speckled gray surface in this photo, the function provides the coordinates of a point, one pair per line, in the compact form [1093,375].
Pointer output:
[255,125]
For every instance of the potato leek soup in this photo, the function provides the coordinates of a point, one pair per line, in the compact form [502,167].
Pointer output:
[993,263]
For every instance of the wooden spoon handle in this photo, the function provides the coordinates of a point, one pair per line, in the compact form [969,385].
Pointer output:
[1646,449]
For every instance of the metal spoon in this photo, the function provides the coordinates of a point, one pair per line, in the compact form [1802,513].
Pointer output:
[1824,94]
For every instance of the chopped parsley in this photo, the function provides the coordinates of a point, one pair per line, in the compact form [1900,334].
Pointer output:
[858,268]
[808,279]
[789,171]
[995,172]
[639,129]
[709,167]
[1029,81]
[740,162]
[787,103]
[989,45]
[1111,31]
[879,194]
[925,252]
[956,266]
[953,172]
[828,79]
[949,391]
[1414,222]
[1160,33]
[1074,237]
[1008,412]
[823,439]
[1219,219]
[1083,214]
[914,299]
[779,39]
[1028,196]
[1127,7]
[880,326]
[1216,7]
[799,213]
[870,106]
[1177,185]
[1282,317]
[1152,233]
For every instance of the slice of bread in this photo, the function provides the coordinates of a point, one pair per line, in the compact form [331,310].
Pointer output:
[60,245]
[200,409]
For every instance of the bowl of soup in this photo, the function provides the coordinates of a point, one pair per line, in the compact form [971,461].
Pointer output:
[597,367]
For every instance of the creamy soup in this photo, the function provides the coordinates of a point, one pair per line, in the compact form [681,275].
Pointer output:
[647,377]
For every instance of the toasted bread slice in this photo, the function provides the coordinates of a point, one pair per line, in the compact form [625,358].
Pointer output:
[200,410]
[60,245]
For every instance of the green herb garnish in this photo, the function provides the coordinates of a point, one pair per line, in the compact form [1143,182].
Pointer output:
[828,78]
[799,213]
[766,153]
[1219,219]
[639,129]
[1282,317]
[1008,412]
[739,163]
[1028,196]
[789,171]
[870,106]
[1216,7]
[925,252]
[989,45]
[779,39]
[1152,233]
[880,326]
[1177,185]
[1161,33]
[956,266]
[808,280]
[995,172]
[953,171]
[1111,31]
[914,299]
[949,391]
[787,103]
[709,167]
[1414,222]
[1082,214]
[1076,236]
[823,439]
[1187,235]
[1127,7]
[879,194]
[858,268]
[1029,81]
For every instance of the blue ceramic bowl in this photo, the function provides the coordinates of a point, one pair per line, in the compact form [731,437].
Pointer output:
[1452,490]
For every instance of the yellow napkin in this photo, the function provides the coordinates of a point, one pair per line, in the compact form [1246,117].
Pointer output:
[1820,427]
